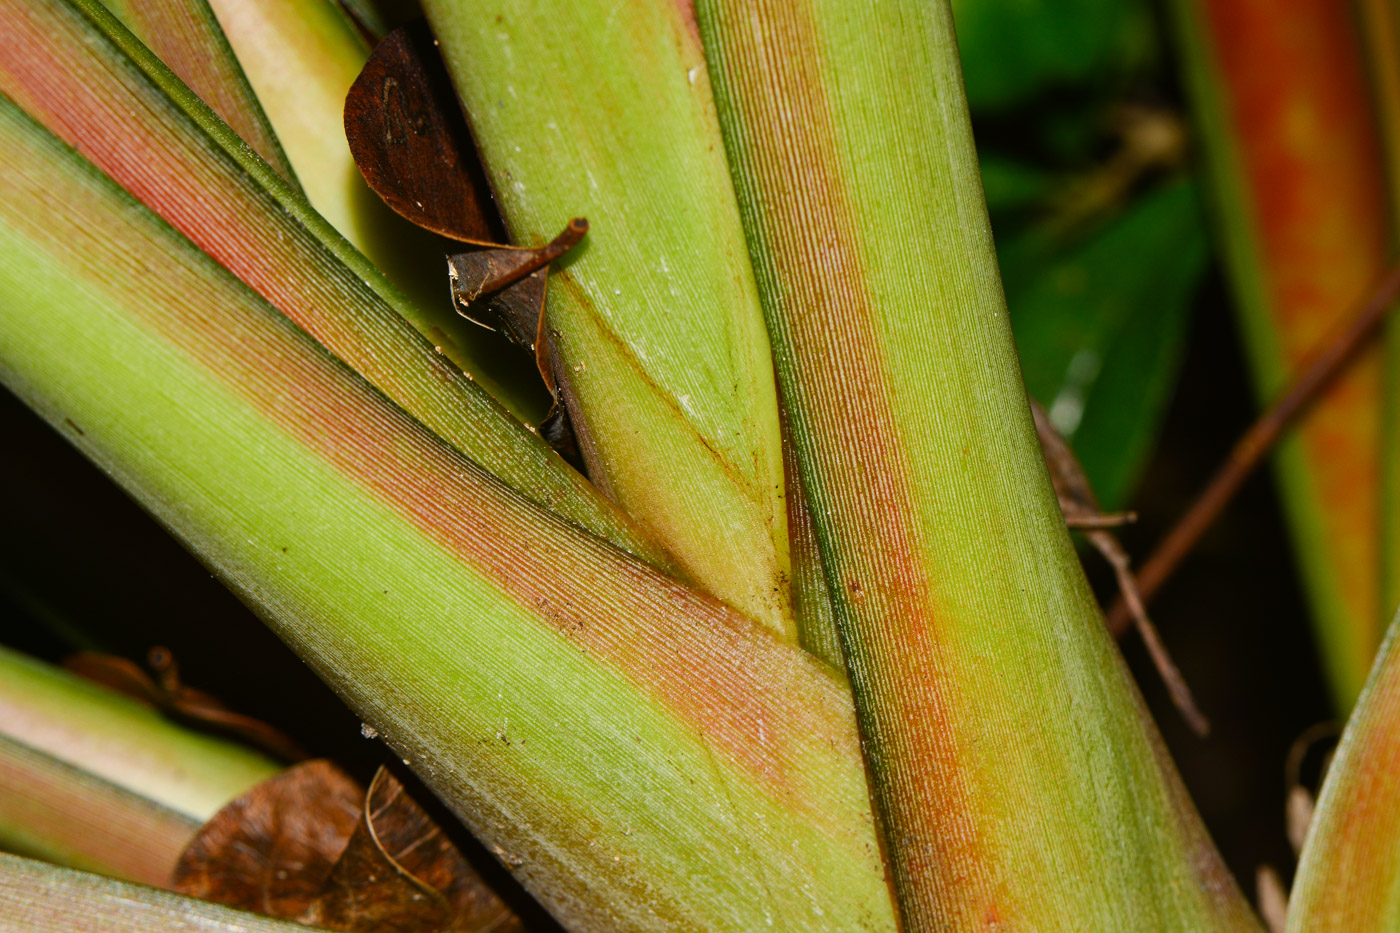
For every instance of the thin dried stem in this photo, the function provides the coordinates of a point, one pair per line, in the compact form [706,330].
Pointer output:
[1325,364]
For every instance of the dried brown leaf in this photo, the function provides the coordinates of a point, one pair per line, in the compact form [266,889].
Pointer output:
[401,874]
[272,850]
[310,845]
[411,142]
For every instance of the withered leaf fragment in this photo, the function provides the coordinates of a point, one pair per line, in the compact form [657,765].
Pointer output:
[171,696]
[401,874]
[411,142]
[504,289]
[272,850]
[309,845]
[1081,510]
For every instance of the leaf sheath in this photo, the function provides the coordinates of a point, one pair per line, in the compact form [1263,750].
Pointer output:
[1018,782]
[620,740]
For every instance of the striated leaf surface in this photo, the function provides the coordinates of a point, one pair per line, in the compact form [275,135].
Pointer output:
[603,111]
[187,38]
[639,755]
[1017,779]
[76,70]
[54,811]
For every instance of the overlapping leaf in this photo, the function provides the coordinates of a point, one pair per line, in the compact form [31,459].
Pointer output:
[666,366]
[1292,146]
[638,754]
[108,97]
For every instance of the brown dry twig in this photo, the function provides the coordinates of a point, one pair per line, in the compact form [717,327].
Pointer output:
[1081,510]
[1315,375]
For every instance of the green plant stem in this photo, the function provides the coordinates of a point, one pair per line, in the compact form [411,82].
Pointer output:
[587,108]
[642,757]
[1017,780]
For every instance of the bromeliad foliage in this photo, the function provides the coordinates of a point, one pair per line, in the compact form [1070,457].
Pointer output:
[630,691]
[617,737]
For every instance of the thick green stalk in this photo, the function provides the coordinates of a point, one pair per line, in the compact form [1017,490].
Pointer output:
[77,70]
[39,898]
[583,107]
[1348,878]
[1292,148]
[186,36]
[1020,785]
[641,756]
[95,780]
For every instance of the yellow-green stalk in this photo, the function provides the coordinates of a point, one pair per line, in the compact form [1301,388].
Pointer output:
[1018,782]
[639,755]
[301,56]
[98,781]
[585,107]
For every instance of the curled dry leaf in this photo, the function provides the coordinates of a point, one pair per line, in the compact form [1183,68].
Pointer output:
[171,696]
[414,149]
[310,845]
[272,850]
[412,145]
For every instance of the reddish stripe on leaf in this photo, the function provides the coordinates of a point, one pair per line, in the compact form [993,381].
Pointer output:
[1305,135]
[842,415]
